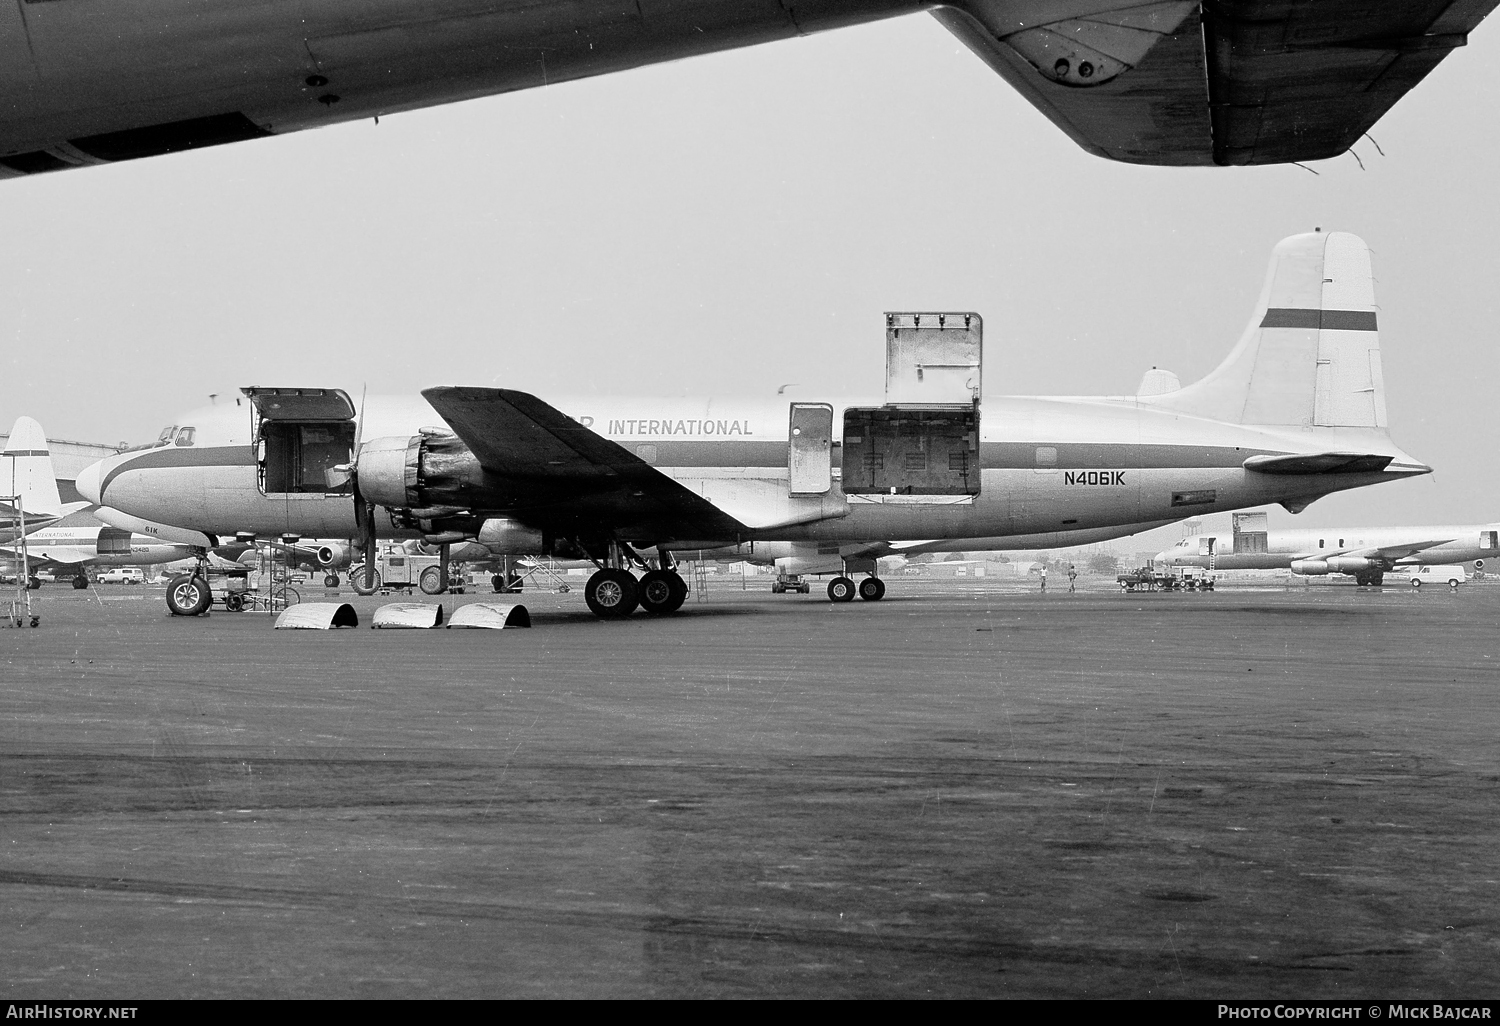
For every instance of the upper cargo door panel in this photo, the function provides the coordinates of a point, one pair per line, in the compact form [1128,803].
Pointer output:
[932,359]
[308,405]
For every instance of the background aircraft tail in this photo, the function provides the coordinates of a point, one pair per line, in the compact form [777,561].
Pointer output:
[1311,355]
[26,469]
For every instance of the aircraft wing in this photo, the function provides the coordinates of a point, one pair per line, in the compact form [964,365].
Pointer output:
[55,559]
[1320,463]
[568,472]
[1395,552]
[1226,82]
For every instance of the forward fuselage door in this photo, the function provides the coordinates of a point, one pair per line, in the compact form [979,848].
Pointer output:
[810,449]
[302,435]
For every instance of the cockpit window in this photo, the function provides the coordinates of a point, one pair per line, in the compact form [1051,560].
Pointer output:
[167,434]
[185,435]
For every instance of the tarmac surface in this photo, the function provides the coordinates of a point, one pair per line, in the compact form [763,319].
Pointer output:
[959,792]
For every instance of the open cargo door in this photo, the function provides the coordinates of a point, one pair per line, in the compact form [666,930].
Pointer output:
[925,440]
[303,433]
[1250,533]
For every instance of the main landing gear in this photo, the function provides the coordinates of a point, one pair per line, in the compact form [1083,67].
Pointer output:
[842,589]
[613,593]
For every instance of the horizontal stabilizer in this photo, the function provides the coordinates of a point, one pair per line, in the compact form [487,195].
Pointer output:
[1320,463]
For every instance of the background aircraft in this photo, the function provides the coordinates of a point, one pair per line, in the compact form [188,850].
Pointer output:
[67,539]
[1365,553]
[26,474]
[1295,412]
[79,541]
[1174,82]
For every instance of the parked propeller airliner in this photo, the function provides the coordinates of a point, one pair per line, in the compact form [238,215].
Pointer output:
[1295,412]
[66,539]
[1178,82]
[1365,553]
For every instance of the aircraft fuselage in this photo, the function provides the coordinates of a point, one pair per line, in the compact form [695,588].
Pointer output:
[1046,466]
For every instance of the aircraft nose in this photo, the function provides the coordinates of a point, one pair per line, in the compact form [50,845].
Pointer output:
[90,483]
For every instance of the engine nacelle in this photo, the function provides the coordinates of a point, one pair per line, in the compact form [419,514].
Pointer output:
[1311,567]
[506,537]
[331,555]
[422,471]
[1352,564]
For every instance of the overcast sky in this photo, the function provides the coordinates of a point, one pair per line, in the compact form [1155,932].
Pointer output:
[726,224]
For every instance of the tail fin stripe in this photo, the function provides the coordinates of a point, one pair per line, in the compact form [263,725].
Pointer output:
[1337,320]
[25,452]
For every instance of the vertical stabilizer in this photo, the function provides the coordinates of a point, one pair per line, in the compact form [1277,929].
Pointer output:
[26,469]
[1311,355]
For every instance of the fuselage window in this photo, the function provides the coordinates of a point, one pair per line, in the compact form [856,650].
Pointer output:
[1320,543]
[1046,456]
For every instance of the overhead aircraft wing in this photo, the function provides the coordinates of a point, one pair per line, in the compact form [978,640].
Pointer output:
[519,438]
[1320,463]
[1227,82]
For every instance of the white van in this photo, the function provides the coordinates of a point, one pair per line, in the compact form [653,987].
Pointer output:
[1451,575]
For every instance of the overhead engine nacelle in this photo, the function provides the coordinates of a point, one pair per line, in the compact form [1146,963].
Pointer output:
[505,537]
[418,472]
[1310,567]
[1352,564]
